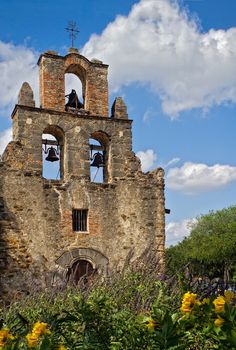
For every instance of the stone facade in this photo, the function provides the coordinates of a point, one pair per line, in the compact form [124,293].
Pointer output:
[124,212]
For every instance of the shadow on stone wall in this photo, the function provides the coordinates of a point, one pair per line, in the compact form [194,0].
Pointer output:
[8,224]
[3,243]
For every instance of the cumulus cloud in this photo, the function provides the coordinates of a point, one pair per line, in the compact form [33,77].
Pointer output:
[17,64]
[177,230]
[5,137]
[160,45]
[193,178]
[147,158]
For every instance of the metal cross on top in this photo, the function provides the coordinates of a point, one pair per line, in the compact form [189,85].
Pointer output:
[73,31]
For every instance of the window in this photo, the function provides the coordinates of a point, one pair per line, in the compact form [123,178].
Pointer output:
[79,220]
[51,157]
[53,153]
[99,162]
[74,98]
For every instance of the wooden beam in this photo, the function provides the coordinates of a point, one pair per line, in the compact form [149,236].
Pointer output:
[49,142]
[97,148]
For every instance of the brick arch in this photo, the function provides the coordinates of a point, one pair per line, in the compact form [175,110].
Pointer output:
[81,74]
[101,136]
[77,65]
[77,60]
[56,131]
[93,76]
[96,258]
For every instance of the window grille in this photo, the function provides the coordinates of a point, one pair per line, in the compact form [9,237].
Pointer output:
[79,219]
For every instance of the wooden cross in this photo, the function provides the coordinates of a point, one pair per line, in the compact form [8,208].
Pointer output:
[73,31]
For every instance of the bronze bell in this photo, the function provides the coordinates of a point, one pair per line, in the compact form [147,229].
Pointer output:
[97,160]
[52,155]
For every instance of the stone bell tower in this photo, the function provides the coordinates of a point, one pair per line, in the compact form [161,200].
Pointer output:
[55,230]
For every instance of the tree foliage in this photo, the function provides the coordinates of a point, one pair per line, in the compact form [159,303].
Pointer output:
[211,247]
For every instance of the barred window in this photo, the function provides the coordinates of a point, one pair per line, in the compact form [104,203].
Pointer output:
[80,219]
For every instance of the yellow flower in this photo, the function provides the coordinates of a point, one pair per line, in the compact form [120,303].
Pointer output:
[32,340]
[229,296]
[219,303]
[188,302]
[38,329]
[205,301]
[4,336]
[61,347]
[219,321]
[151,324]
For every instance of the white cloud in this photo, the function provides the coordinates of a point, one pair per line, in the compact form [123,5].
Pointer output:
[193,178]
[5,137]
[148,114]
[159,45]
[17,64]
[177,230]
[147,158]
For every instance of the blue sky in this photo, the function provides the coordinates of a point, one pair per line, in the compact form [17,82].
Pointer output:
[173,62]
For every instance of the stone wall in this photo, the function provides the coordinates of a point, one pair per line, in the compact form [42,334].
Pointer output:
[125,213]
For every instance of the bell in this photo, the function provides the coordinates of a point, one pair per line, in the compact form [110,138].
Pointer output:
[52,156]
[97,160]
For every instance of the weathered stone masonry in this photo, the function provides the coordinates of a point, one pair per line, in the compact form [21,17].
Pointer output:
[125,212]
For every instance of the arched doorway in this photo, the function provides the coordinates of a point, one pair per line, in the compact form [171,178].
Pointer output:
[88,260]
[81,269]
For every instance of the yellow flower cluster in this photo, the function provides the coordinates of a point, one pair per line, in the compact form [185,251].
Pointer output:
[4,336]
[220,301]
[219,304]
[151,324]
[38,329]
[219,321]
[229,296]
[188,302]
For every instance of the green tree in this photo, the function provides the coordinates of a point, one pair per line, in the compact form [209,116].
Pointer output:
[211,246]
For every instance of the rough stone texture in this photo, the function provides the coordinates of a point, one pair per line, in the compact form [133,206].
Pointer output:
[126,212]
[26,96]
[119,109]
[93,76]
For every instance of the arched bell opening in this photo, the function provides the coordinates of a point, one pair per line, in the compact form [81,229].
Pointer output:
[80,272]
[74,99]
[53,153]
[99,156]
[75,88]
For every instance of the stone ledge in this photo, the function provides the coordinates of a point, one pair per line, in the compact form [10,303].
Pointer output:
[102,185]
[72,114]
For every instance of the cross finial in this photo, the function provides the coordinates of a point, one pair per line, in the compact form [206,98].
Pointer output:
[73,31]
